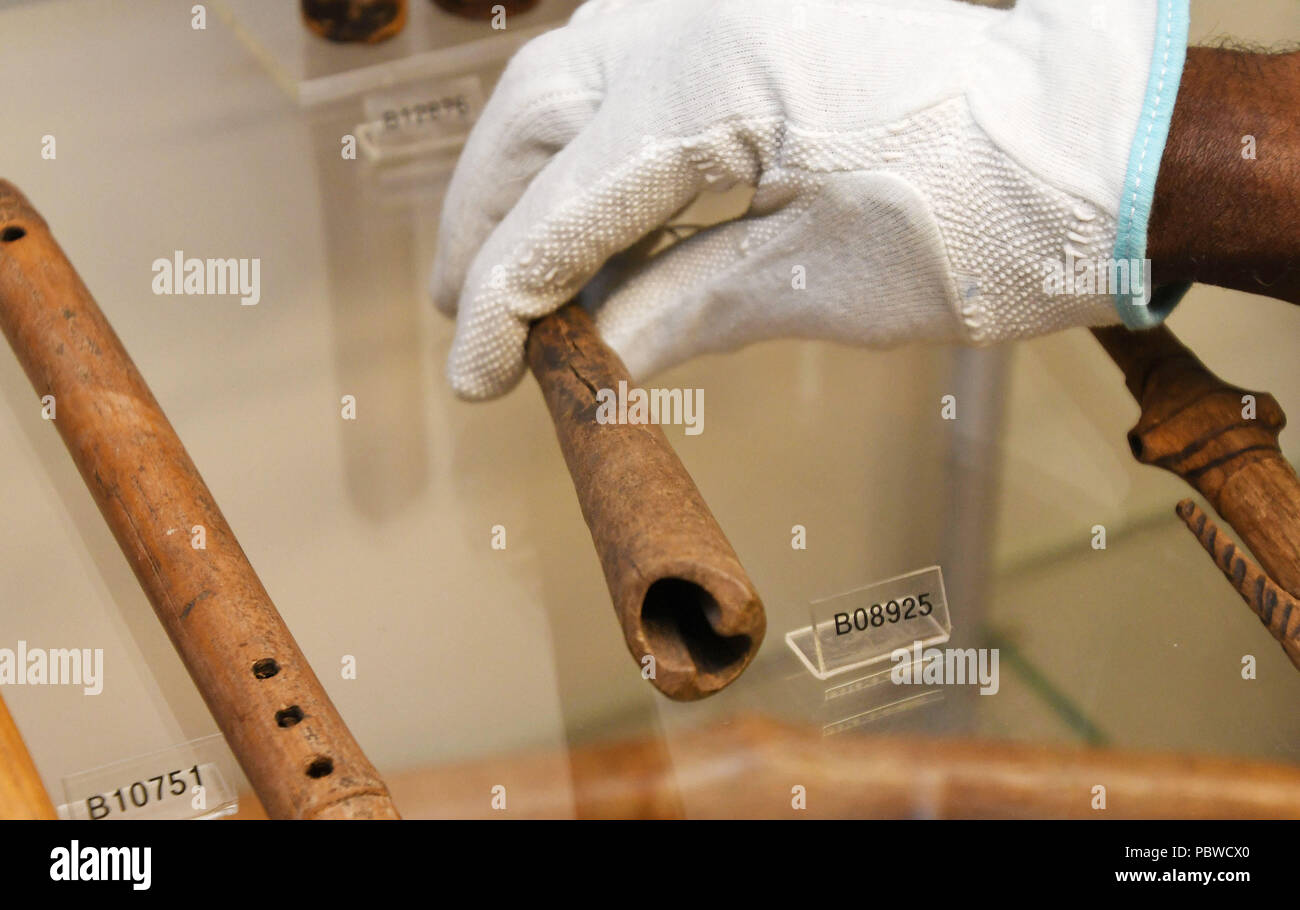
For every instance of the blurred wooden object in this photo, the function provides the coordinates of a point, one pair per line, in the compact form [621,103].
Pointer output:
[1219,438]
[276,716]
[22,795]
[353,21]
[749,768]
[485,9]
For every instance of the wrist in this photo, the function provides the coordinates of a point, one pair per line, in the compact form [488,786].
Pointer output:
[1227,199]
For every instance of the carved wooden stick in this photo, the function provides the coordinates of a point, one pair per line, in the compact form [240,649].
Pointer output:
[1276,609]
[288,737]
[22,795]
[1221,442]
[680,593]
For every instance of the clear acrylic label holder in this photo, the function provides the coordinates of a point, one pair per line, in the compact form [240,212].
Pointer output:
[195,780]
[862,627]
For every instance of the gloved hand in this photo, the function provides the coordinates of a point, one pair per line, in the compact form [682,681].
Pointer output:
[916,164]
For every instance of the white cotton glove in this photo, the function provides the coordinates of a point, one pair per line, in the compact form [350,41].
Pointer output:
[917,162]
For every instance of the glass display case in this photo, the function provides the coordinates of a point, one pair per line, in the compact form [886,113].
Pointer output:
[430,557]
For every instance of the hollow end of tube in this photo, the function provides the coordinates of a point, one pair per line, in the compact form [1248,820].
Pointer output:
[701,640]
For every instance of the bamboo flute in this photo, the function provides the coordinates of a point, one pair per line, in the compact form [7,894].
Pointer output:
[279,722]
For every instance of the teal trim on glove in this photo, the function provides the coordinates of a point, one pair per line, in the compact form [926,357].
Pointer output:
[1138,307]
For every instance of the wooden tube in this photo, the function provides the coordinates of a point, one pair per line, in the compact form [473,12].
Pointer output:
[679,590]
[22,795]
[298,754]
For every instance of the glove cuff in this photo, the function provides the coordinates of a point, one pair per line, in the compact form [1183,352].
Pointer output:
[1142,309]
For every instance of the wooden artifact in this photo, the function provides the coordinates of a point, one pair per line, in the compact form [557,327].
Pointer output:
[746,767]
[22,795]
[298,754]
[679,590]
[349,21]
[1222,440]
[1276,609]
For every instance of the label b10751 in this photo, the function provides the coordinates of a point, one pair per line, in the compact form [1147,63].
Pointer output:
[139,793]
[196,779]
